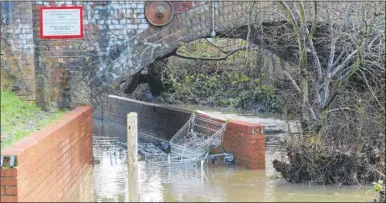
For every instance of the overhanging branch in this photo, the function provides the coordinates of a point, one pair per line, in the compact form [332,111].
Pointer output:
[212,58]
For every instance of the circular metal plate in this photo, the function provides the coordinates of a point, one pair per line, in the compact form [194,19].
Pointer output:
[159,13]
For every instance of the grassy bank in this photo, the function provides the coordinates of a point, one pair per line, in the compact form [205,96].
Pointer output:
[20,118]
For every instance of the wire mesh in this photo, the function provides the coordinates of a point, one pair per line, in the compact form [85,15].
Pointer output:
[187,147]
[108,147]
[173,165]
[178,173]
[198,136]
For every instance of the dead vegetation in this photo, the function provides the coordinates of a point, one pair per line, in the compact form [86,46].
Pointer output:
[340,96]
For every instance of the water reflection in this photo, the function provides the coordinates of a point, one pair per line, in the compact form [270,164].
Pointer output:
[219,183]
[110,181]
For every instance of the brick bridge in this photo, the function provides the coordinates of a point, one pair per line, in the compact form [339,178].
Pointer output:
[119,42]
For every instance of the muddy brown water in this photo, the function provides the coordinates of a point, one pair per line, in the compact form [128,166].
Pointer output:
[108,182]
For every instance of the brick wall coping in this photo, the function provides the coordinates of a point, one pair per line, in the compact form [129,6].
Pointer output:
[153,104]
[246,123]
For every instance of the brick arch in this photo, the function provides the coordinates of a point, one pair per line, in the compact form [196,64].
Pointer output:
[231,20]
[118,42]
[196,23]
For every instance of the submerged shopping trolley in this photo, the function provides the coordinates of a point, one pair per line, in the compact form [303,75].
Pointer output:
[108,147]
[191,144]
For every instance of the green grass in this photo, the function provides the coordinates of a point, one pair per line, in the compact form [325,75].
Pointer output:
[20,118]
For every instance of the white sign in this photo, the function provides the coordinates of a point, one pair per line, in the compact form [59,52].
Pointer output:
[61,22]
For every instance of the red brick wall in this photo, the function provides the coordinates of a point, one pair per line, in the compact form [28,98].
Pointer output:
[246,141]
[9,185]
[50,161]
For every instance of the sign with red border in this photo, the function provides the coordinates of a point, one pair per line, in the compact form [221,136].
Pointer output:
[61,22]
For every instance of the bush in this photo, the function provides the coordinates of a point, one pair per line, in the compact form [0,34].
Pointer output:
[217,84]
[349,149]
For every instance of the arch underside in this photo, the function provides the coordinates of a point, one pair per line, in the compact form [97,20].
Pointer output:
[263,26]
[273,37]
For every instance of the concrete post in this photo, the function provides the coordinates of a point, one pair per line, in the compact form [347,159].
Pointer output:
[132,156]
[202,172]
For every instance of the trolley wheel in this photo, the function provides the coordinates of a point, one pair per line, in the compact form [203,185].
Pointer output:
[229,158]
[165,147]
[214,160]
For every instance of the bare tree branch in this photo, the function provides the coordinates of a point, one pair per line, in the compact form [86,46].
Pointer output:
[371,90]
[291,19]
[294,84]
[349,58]
[218,47]
[212,58]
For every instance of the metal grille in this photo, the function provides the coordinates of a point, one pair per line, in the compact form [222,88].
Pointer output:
[186,148]
[197,137]
[108,147]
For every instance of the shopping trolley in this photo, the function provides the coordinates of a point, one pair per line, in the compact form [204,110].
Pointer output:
[191,144]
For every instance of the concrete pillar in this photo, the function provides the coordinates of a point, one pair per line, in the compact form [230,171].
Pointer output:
[132,156]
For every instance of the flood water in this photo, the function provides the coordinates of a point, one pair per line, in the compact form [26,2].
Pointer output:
[109,183]
[108,180]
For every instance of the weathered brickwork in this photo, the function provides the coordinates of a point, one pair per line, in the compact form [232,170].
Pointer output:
[66,67]
[51,161]
[245,140]
[17,53]
[117,41]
